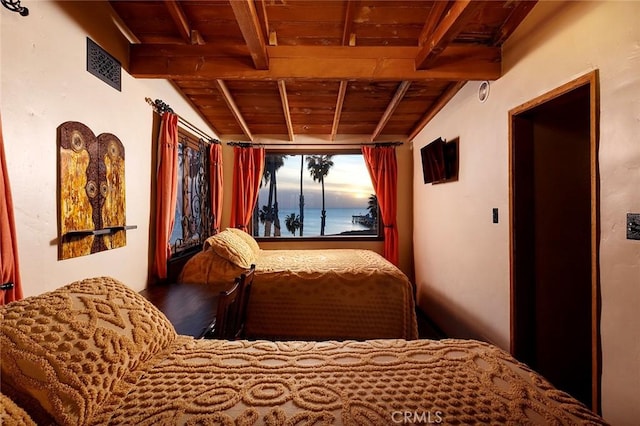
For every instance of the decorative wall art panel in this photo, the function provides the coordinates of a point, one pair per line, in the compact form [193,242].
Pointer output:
[92,191]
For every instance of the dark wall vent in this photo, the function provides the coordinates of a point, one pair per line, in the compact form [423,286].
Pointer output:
[104,66]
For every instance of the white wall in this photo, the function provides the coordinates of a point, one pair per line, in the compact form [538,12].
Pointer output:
[45,83]
[462,259]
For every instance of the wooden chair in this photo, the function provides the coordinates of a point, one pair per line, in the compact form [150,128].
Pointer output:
[232,309]
[246,280]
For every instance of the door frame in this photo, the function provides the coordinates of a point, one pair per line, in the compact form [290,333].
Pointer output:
[590,79]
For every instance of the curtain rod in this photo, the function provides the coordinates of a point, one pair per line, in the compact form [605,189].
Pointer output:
[161,107]
[250,144]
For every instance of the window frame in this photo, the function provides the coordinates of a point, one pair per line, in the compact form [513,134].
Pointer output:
[316,238]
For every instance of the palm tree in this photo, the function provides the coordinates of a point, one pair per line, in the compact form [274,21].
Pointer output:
[265,217]
[272,163]
[292,221]
[319,166]
[264,213]
[372,208]
[301,201]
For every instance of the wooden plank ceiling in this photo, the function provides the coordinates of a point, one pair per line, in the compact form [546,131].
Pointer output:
[285,68]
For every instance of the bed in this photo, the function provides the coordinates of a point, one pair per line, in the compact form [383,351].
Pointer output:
[310,294]
[95,352]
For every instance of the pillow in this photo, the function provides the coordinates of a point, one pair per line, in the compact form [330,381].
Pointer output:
[207,267]
[12,414]
[69,348]
[231,247]
[251,242]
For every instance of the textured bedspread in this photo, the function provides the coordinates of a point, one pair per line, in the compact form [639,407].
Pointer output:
[95,352]
[330,294]
[341,383]
[318,294]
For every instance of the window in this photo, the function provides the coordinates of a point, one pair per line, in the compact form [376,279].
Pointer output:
[315,195]
[193,212]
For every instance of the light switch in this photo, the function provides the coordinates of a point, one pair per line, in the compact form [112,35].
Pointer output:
[633,226]
[495,215]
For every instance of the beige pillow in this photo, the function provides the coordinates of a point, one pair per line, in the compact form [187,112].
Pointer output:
[231,247]
[12,414]
[206,267]
[251,242]
[69,348]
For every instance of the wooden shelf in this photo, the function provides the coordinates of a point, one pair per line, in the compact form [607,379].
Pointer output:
[103,231]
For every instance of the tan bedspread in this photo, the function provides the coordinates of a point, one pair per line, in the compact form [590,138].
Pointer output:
[341,383]
[95,352]
[330,294]
[319,294]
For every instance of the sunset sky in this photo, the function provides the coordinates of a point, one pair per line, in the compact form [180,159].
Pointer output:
[347,185]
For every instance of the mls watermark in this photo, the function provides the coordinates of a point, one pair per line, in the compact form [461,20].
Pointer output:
[417,417]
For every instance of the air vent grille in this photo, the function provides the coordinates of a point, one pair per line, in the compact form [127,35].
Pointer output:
[102,65]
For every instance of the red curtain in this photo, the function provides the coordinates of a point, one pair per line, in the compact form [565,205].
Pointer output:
[248,165]
[166,191]
[216,184]
[383,169]
[9,268]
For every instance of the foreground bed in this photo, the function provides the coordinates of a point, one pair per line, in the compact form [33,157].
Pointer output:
[96,353]
[310,294]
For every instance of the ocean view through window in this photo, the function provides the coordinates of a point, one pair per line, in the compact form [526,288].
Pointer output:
[315,195]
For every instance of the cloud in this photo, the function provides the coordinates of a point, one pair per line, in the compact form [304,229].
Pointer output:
[347,185]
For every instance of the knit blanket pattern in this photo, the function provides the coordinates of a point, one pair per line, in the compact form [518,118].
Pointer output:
[97,353]
[378,382]
[333,294]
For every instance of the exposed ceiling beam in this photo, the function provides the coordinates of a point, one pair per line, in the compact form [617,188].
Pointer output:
[282,87]
[456,62]
[175,49]
[519,12]
[348,22]
[179,19]
[437,10]
[395,101]
[270,35]
[222,87]
[342,91]
[446,31]
[125,30]
[249,22]
[437,106]
[262,12]
[189,35]
[198,110]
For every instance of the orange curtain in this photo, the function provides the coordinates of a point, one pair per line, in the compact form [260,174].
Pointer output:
[9,268]
[166,191]
[216,184]
[248,165]
[383,169]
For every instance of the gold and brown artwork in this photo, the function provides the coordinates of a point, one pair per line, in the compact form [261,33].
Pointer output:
[92,191]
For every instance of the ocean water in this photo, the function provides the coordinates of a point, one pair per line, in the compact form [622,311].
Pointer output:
[337,221]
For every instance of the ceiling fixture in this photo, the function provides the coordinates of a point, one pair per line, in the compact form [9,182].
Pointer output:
[14,6]
[483,91]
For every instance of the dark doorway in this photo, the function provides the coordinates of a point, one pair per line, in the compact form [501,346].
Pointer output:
[554,293]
